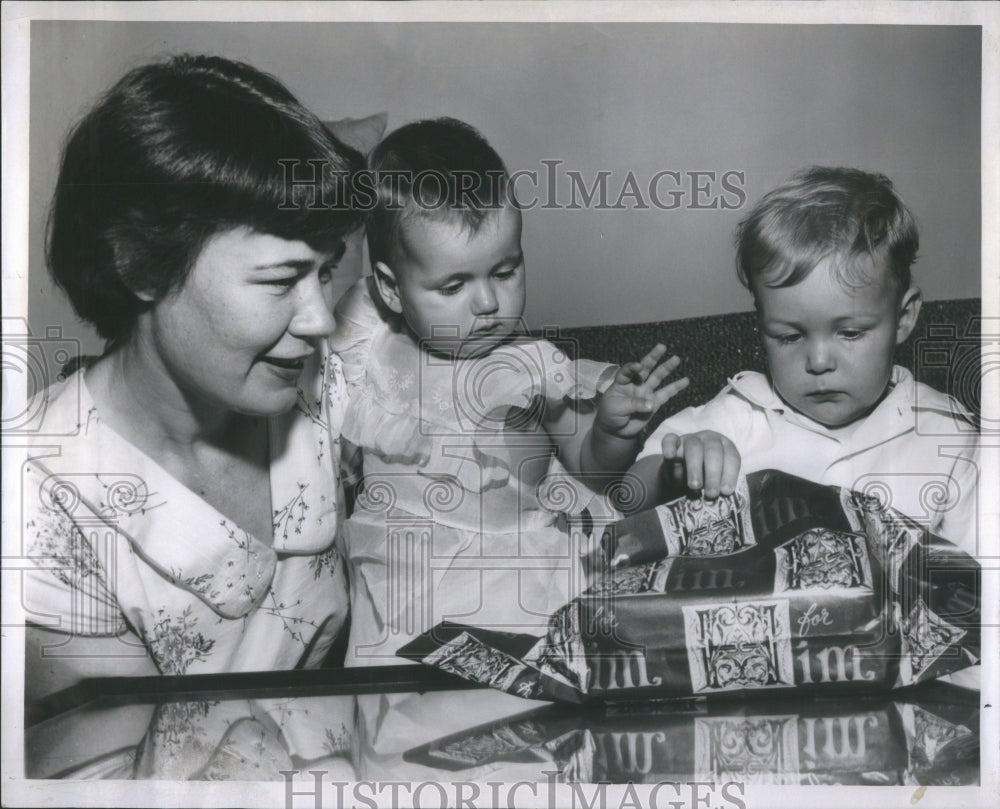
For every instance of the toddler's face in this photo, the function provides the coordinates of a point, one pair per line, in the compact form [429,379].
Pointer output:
[460,291]
[830,347]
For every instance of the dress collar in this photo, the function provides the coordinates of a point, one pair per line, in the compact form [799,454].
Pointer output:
[187,540]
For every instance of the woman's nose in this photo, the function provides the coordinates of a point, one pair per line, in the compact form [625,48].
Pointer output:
[819,357]
[313,316]
[485,300]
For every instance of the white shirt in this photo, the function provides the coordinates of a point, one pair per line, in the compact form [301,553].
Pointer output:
[917,451]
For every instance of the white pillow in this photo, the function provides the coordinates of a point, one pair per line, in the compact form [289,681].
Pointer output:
[362,134]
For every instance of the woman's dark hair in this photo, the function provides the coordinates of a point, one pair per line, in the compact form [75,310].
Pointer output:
[174,153]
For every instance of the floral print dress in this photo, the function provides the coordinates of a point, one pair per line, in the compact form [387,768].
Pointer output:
[443,529]
[120,548]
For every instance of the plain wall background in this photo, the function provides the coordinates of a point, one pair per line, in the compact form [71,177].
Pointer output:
[763,100]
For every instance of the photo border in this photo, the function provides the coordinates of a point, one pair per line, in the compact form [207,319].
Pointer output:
[16,59]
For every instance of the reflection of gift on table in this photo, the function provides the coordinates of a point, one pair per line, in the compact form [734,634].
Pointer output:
[391,724]
[784,585]
[866,741]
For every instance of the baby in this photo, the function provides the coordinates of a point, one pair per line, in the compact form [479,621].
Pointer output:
[459,413]
[827,257]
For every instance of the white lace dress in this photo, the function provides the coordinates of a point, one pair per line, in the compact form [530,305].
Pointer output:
[444,530]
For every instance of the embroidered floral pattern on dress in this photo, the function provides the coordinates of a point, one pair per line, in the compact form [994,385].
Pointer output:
[133,549]
[327,562]
[177,735]
[204,585]
[292,621]
[62,548]
[289,518]
[176,642]
[338,741]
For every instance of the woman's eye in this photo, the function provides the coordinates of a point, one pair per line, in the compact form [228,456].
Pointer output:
[283,283]
[326,273]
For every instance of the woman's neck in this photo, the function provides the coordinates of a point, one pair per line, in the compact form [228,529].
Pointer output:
[219,455]
[138,396]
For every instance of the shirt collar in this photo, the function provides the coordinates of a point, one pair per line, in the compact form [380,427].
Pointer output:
[893,416]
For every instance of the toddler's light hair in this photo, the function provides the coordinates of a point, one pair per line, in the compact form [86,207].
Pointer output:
[851,215]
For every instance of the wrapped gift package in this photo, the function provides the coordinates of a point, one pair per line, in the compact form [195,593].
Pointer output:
[785,586]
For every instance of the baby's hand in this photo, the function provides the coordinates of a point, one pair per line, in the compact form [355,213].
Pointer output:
[636,395]
[711,460]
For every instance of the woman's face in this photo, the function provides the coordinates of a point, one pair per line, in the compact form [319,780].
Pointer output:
[237,333]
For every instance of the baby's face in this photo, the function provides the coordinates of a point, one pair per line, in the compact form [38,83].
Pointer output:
[830,347]
[462,292]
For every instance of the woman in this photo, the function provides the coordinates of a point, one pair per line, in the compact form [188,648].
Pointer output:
[185,523]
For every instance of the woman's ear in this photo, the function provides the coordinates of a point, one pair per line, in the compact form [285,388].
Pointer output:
[909,308]
[126,259]
[137,287]
[143,295]
[388,288]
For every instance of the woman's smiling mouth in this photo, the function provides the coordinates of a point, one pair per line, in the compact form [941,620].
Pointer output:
[287,364]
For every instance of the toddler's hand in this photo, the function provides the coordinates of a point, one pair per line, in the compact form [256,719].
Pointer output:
[711,460]
[636,395]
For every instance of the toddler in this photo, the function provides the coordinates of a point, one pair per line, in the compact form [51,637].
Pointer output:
[827,257]
[459,414]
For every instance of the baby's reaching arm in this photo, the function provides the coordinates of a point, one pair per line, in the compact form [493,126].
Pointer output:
[602,443]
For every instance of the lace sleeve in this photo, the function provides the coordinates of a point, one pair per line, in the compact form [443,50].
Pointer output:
[358,321]
[519,374]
